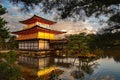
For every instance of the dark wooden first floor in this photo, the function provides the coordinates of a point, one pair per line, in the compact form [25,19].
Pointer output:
[41,44]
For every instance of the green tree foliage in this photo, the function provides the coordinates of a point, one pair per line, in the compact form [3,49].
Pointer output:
[2,10]
[13,44]
[4,33]
[78,43]
[83,43]
[9,70]
[106,40]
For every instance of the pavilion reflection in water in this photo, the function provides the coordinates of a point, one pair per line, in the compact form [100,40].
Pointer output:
[37,39]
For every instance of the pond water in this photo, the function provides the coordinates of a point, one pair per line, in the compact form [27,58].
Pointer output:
[106,67]
[100,69]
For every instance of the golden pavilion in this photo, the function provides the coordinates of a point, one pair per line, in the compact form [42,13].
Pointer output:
[37,35]
[37,40]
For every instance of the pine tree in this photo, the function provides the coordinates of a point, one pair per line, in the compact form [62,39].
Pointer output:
[4,33]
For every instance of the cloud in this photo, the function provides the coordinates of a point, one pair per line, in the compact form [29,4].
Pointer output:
[13,21]
[14,15]
[70,27]
[74,27]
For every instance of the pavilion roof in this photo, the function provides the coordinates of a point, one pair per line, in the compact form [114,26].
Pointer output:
[36,29]
[36,18]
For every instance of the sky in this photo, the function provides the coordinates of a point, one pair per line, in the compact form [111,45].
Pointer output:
[14,15]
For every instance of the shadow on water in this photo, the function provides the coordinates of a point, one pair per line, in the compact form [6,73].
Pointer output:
[112,53]
[85,66]
[75,68]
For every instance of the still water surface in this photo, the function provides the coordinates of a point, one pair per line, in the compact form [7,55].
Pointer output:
[100,69]
[106,67]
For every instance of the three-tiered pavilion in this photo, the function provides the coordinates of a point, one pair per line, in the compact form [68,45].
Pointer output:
[37,35]
[38,38]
